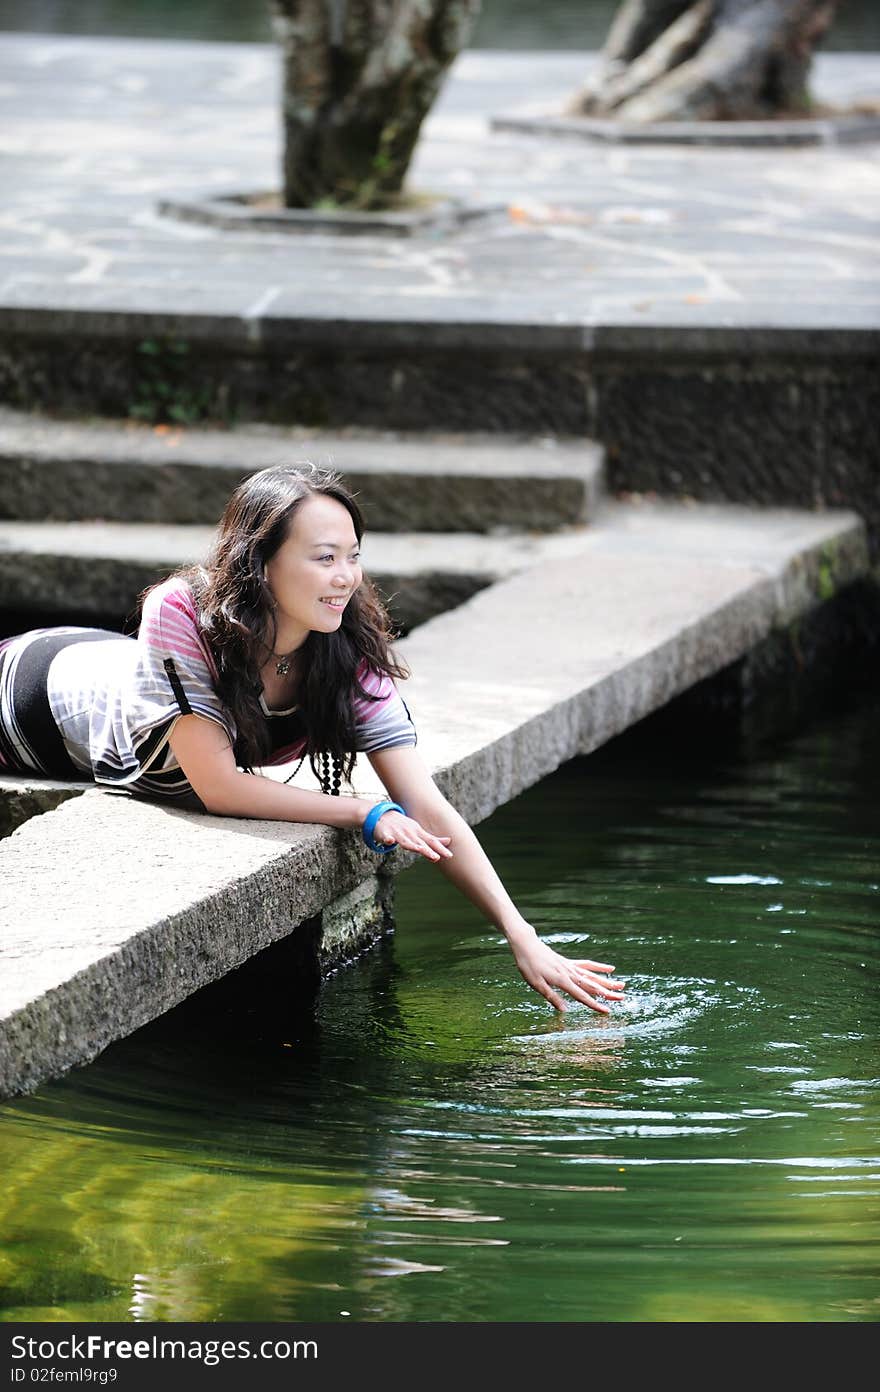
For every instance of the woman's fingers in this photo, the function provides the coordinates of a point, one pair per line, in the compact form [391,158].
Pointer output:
[588,973]
[439,843]
[405,832]
[585,987]
[430,846]
[595,983]
[585,998]
[574,990]
[549,973]
[549,994]
[422,848]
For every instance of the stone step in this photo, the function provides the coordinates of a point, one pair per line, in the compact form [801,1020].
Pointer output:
[128,472]
[132,906]
[24,797]
[78,572]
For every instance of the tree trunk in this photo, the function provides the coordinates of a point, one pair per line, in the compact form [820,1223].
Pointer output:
[359,78]
[706,60]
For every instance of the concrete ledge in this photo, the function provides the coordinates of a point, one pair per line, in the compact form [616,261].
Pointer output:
[824,130]
[189,338]
[57,470]
[101,948]
[355,920]
[662,597]
[130,907]
[98,318]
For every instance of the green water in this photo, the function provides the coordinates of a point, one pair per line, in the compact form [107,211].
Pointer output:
[440,1147]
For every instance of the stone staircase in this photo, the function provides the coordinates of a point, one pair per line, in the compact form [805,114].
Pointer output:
[543,618]
[72,471]
[91,514]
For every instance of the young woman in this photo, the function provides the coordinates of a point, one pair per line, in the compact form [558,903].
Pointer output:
[276,649]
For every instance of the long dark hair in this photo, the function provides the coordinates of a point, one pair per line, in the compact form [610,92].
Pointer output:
[237,618]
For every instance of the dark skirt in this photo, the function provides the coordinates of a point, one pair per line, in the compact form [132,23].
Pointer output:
[30,741]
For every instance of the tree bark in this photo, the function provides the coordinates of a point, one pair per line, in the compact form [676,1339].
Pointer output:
[359,78]
[710,60]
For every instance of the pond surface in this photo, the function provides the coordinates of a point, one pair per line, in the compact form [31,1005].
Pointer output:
[439,1146]
[511,24]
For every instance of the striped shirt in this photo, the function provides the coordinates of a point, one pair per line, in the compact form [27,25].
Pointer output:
[116,701]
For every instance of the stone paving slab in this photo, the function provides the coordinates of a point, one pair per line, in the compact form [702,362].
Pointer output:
[712,316]
[112,910]
[96,131]
[75,470]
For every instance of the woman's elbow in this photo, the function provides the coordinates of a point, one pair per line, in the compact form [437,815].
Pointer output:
[219,796]
[215,805]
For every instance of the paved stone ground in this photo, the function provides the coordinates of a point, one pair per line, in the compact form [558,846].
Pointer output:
[94,131]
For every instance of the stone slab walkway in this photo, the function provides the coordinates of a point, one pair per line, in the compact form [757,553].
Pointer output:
[654,598]
[93,132]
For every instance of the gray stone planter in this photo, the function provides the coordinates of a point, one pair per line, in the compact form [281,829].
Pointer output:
[825,130]
[255,211]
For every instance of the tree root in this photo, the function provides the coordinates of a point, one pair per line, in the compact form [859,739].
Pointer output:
[674,60]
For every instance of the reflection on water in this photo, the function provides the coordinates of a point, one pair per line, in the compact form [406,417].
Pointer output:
[707,1152]
[513,24]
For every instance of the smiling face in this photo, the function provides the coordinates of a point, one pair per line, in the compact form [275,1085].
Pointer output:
[314,572]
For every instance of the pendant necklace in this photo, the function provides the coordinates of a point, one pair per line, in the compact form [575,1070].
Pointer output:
[282,660]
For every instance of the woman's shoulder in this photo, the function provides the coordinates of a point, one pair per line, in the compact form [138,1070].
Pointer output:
[374,690]
[170,621]
[170,607]
[381,716]
[371,680]
[175,593]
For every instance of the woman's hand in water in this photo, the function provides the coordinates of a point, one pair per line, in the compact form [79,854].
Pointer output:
[408,781]
[548,973]
[396,829]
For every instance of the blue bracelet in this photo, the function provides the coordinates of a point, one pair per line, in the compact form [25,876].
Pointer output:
[370,826]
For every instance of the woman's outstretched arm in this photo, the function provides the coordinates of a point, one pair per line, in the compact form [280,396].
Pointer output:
[202,749]
[409,782]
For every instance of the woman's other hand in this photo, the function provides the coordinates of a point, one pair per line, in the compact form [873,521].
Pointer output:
[393,828]
[548,973]
[408,782]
